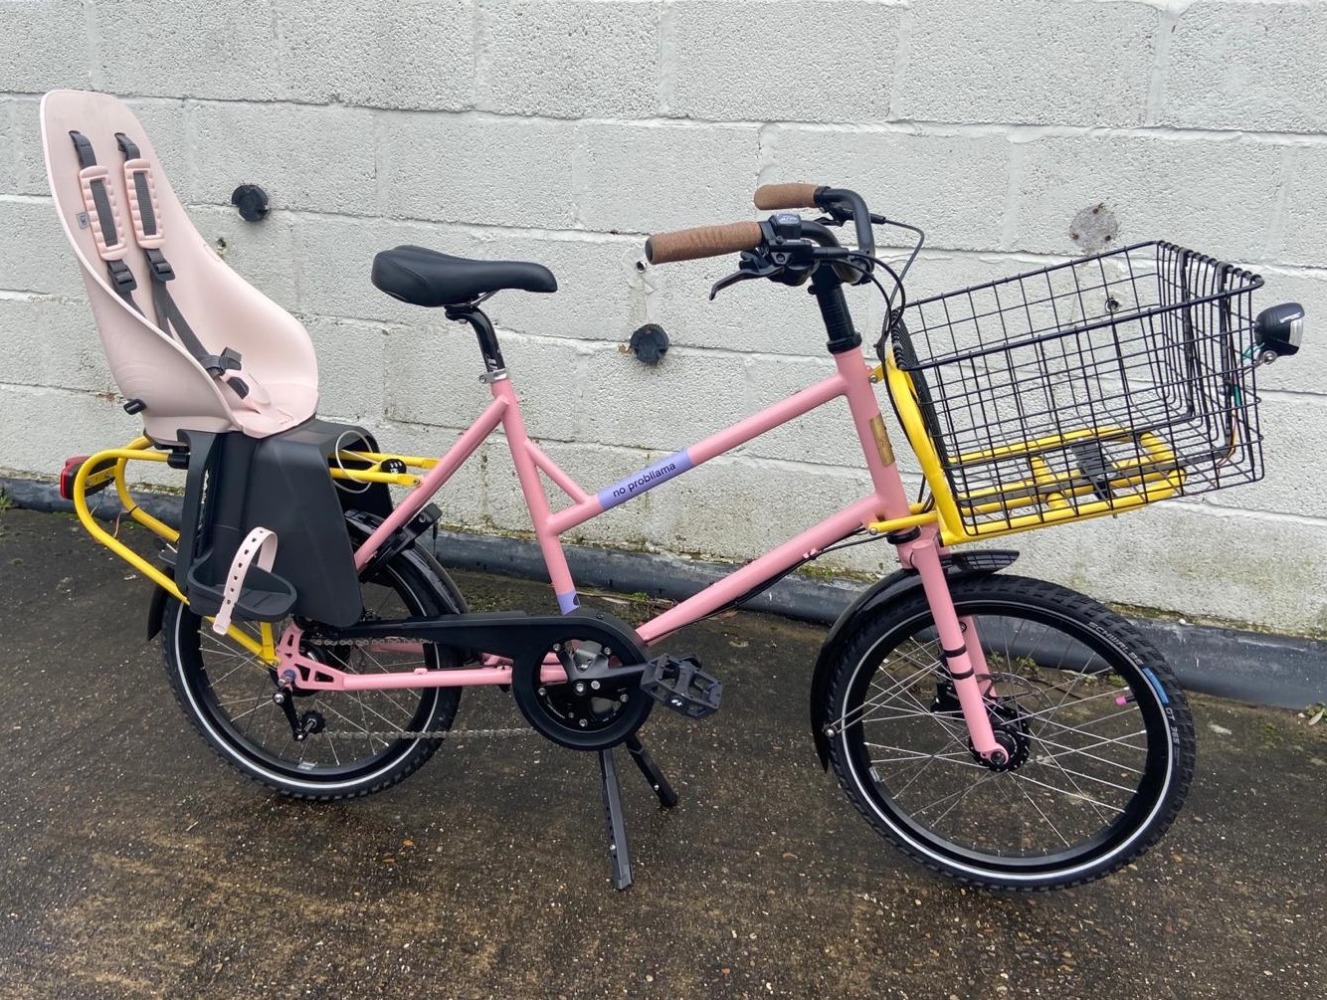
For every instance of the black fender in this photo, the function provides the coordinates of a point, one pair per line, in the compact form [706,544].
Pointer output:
[421,557]
[360,527]
[156,612]
[885,591]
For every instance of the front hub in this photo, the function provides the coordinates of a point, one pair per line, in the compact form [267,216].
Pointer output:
[1008,725]
[1012,733]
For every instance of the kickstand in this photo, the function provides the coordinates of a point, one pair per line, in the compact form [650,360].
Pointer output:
[612,788]
[617,826]
[667,797]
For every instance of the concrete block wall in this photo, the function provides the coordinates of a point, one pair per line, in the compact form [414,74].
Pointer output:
[563,132]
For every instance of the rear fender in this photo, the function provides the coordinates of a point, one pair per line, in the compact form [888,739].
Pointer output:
[156,612]
[893,587]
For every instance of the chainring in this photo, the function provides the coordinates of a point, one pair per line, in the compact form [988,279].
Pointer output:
[580,714]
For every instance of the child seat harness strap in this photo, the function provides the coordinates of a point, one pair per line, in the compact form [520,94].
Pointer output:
[145,212]
[101,217]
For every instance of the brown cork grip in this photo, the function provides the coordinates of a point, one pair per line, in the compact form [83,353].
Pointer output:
[774,196]
[703,241]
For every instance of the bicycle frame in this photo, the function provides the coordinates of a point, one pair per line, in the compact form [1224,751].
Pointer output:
[885,511]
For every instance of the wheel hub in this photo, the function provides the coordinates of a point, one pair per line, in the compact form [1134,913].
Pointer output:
[1007,724]
[1012,733]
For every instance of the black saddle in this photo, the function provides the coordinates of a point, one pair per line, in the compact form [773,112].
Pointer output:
[428,278]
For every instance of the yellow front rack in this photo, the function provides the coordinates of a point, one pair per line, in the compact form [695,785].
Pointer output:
[1043,496]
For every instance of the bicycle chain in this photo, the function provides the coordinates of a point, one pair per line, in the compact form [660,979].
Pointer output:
[435,734]
[407,734]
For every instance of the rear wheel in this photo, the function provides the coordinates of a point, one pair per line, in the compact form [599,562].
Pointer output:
[1100,735]
[356,745]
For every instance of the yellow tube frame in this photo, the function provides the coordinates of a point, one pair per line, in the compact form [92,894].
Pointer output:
[140,450]
[1049,495]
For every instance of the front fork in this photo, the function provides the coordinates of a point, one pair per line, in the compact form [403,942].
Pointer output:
[960,647]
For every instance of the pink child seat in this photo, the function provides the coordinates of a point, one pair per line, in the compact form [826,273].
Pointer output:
[119,211]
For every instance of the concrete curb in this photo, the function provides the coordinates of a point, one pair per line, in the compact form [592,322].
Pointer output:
[1265,669]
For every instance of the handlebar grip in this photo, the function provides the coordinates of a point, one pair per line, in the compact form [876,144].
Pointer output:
[774,196]
[703,241]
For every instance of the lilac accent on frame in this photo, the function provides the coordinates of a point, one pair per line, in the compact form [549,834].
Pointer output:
[568,602]
[646,479]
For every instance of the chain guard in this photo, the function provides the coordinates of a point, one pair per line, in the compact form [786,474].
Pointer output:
[598,647]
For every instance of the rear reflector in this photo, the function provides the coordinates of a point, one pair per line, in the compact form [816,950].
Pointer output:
[98,478]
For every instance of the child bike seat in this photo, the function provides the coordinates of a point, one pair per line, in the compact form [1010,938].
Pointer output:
[427,278]
[191,344]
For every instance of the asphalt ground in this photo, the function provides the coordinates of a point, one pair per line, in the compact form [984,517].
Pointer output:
[134,863]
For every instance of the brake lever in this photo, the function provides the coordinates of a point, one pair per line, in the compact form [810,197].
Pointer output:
[839,220]
[753,266]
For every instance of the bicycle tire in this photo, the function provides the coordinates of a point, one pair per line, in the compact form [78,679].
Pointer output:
[1074,678]
[235,715]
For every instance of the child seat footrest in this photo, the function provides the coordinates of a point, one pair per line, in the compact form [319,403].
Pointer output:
[249,590]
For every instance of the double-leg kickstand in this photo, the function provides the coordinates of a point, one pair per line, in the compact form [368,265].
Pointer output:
[617,826]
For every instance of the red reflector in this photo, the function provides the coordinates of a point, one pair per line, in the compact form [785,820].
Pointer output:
[67,474]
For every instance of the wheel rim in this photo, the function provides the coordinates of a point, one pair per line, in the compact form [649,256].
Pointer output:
[1095,773]
[231,692]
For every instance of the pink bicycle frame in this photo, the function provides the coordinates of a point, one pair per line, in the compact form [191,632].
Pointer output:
[888,502]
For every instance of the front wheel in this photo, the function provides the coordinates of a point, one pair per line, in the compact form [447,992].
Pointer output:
[1102,737]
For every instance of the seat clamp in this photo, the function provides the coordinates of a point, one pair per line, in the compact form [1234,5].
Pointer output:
[497,375]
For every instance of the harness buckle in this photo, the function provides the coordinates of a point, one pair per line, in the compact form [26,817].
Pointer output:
[217,365]
[161,269]
[123,277]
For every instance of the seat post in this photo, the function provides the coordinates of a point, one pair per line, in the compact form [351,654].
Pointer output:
[483,327]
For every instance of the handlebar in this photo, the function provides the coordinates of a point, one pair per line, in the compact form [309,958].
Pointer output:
[771,197]
[839,204]
[703,241]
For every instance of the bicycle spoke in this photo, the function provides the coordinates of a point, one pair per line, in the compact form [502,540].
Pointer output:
[1081,749]
[1040,812]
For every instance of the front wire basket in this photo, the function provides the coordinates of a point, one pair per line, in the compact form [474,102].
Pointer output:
[1082,389]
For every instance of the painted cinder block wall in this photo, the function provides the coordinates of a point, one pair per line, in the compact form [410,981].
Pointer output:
[563,131]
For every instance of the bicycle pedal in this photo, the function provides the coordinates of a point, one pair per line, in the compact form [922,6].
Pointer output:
[681,684]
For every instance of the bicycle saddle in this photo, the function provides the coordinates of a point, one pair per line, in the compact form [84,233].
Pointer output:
[428,278]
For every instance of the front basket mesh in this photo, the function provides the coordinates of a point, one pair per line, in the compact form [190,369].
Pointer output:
[1092,386]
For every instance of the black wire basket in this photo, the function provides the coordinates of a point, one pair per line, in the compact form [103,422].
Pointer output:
[1085,388]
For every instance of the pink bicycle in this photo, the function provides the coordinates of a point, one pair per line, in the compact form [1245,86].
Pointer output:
[1004,731]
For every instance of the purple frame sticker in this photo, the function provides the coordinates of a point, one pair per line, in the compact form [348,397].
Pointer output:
[644,480]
